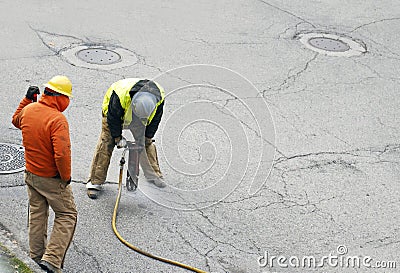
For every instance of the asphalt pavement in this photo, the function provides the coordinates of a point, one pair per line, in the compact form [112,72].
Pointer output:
[279,140]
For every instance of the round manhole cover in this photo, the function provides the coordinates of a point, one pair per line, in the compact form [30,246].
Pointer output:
[11,158]
[332,44]
[329,44]
[98,56]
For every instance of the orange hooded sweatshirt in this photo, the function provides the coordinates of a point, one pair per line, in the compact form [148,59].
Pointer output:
[45,136]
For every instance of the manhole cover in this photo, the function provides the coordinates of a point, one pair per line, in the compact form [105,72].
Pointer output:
[11,158]
[98,56]
[332,44]
[329,44]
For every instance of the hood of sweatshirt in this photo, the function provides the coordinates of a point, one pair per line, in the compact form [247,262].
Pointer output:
[57,102]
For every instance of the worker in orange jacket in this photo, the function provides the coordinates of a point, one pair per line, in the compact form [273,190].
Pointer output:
[45,134]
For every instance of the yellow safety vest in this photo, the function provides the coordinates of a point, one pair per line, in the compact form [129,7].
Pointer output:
[122,88]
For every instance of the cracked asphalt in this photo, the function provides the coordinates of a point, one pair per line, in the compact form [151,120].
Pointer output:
[269,149]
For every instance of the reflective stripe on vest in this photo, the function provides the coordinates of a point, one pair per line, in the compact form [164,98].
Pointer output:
[162,93]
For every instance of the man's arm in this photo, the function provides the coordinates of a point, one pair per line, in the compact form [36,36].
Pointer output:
[151,129]
[115,116]
[31,96]
[62,148]
[16,119]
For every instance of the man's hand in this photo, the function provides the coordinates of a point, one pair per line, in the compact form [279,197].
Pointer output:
[120,142]
[32,93]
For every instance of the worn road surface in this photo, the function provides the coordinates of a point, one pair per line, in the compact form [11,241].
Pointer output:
[279,141]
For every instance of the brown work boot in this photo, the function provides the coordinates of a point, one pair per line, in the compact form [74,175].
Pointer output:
[48,267]
[93,190]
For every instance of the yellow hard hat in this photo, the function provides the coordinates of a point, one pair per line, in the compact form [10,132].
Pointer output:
[60,84]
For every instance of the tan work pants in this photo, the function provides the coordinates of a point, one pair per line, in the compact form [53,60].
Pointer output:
[102,155]
[150,165]
[103,152]
[44,192]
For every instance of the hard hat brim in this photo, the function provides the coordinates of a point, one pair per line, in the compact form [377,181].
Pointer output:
[57,90]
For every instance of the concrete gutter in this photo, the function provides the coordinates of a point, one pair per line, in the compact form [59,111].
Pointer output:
[15,251]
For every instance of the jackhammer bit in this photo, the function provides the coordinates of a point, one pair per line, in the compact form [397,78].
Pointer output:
[132,175]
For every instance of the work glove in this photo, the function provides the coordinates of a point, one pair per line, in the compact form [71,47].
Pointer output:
[120,142]
[148,141]
[32,93]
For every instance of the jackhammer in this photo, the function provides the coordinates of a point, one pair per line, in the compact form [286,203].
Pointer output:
[132,179]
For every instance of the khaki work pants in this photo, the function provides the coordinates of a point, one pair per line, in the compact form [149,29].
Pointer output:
[150,165]
[44,192]
[103,152]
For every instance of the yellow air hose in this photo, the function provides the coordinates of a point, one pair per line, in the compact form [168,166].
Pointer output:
[114,226]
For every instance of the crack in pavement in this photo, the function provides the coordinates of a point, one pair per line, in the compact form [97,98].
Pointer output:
[143,60]
[369,68]
[301,120]
[240,200]
[388,148]
[208,219]
[290,78]
[256,132]
[385,47]
[356,153]
[76,41]
[296,30]
[314,162]
[318,164]
[218,242]
[374,22]
[383,242]
[288,203]
[82,251]
[287,119]
[287,12]
[52,48]
[383,55]
[187,242]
